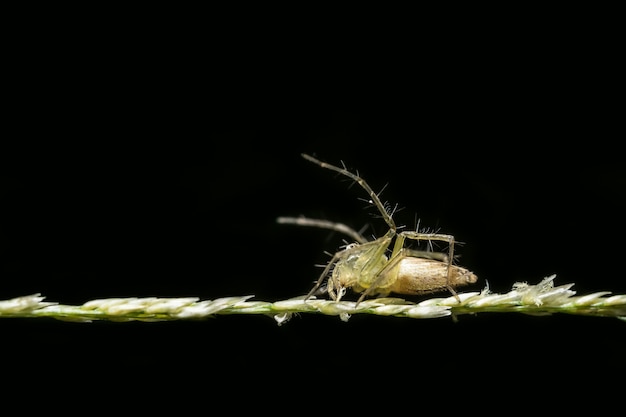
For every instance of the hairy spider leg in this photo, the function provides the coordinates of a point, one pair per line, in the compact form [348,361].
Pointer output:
[435,236]
[408,234]
[399,252]
[373,196]
[324,224]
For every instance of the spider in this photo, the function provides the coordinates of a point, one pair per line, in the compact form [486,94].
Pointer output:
[371,268]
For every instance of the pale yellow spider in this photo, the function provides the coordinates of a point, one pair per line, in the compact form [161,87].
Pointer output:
[367,267]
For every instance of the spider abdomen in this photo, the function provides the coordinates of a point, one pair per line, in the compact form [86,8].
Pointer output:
[421,276]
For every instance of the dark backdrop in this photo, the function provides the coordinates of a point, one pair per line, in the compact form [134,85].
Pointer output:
[130,180]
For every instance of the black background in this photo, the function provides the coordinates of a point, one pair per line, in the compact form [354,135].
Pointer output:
[160,170]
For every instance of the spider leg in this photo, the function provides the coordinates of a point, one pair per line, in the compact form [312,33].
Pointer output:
[431,236]
[324,273]
[434,236]
[324,224]
[375,200]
